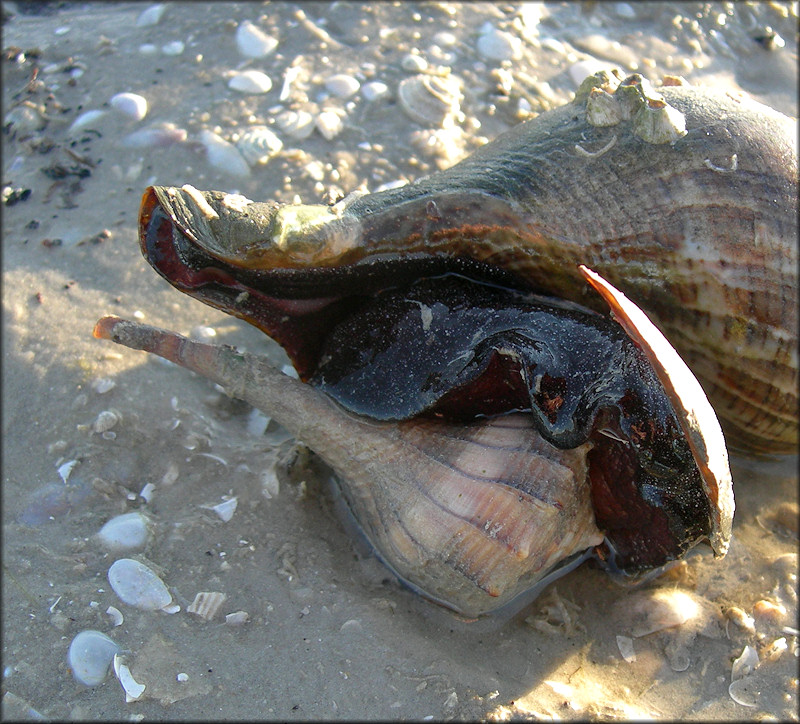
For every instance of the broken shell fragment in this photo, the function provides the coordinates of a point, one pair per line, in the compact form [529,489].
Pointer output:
[206,604]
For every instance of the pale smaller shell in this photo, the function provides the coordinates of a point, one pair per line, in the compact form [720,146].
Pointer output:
[430,100]
[151,16]
[494,44]
[132,688]
[297,124]
[329,123]
[90,655]
[173,48]
[159,135]
[137,585]
[744,665]
[206,604]
[253,42]
[373,90]
[131,105]
[223,155]
[237,618]
[85,119]
[413,63]
[258,145]
[342,85]
[225,509]
[126,532]
[250,81]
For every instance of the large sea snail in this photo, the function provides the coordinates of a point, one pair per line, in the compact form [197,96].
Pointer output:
[414,310]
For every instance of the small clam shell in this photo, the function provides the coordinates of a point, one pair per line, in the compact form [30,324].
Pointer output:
[127,532]
[258,145]
[90,655]
[297,124]
[430,100]
[159,135]
[250,81]
[137,585]
[329,123]
[223,155]
[342,85]
[130,104]
[253,42]
[494,44]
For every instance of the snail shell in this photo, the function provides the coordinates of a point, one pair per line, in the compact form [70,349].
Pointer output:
[691,212]
[480,515]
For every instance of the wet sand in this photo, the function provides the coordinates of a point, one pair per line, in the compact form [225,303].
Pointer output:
[331,634]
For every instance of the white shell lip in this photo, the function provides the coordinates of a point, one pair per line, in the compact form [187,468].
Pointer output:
[694,411]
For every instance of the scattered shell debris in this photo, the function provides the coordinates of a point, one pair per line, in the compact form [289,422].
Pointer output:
[206,604]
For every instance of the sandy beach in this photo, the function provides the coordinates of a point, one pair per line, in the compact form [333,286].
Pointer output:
[92,430]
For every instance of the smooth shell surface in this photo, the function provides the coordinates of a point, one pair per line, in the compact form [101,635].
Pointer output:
[700,232]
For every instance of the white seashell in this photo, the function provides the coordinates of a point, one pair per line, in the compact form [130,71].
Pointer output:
[744,664]
[101,385]
[90,655]
[24,120]
[147,492]
[206,604]
[257,422]
[237,618]
[126,532]
[250,81]
[254,42]
[657,610]
[225,509]
[413,63]
[329,123]
[159,135]
[223,155]
[624,10]
[85,119]
[626,649]
[494,44]
[297,124]
[175,47]
[148,49]
[106,420]
[65,469]
[430,100]
[374,90]
[117,618]
[258,145]
[589,66]
[342,85]
[137,585]
[132,688]
[744,692]
[270,485]
[130,104]
[151,16]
